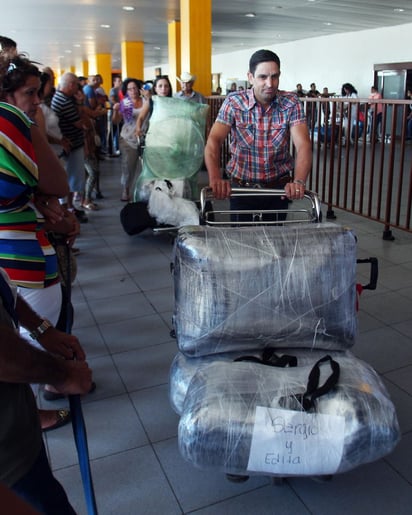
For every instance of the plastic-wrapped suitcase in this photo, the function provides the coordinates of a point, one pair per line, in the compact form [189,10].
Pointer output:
[253,287]
[249,418]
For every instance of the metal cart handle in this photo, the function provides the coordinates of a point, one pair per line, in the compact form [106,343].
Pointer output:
[206,194]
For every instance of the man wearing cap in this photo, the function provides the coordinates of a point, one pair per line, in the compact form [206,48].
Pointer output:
[187,93]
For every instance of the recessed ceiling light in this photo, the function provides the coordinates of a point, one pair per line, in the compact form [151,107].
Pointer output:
[156,47]
[328,23]
[128,8]
[250,15]
[399,10]
[105,26]
[76,45]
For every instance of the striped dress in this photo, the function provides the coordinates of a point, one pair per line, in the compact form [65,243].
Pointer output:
[25,252]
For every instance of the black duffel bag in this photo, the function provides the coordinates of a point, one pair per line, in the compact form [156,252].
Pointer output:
[135,218]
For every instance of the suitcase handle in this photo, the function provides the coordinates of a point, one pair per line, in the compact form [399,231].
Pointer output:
[373,278]
[206,195]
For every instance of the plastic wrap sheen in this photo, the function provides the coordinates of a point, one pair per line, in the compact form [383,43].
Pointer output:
[217,426]
[253,287]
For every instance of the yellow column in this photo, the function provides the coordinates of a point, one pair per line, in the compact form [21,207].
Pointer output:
[196,42]
[73,69]
[85,70]
[104,68]
[132,59]
[174,52]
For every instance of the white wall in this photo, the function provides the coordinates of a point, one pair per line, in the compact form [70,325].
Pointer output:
[328,60]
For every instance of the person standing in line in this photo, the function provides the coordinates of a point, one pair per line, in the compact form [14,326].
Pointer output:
[187,92]
[128,110]
[114,131]
[72,128]
[162,88]
[262,122]
[24,467]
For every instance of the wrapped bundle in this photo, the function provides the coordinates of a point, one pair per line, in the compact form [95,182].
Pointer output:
[248,418]
[253,287]
[183,368]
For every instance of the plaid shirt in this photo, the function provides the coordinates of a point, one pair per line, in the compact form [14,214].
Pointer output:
[260,139]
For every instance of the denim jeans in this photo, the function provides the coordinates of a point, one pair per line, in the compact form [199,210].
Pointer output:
[40,489]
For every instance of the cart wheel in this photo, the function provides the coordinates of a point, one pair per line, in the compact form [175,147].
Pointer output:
[322,479]
[235,478]
[278,480]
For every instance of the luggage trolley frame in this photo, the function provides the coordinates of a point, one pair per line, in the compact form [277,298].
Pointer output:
[309,213]
[301,215]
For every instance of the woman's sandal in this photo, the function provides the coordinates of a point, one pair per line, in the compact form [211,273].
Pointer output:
[90,206]
[63,417]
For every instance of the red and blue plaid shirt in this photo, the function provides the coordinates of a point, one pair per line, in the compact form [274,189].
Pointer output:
[260,139]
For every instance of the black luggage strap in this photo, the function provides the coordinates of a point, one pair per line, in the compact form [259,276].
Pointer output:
[270,358]
[306,400]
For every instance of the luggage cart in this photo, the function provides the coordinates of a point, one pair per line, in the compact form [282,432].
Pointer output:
[307,210]
[216,388]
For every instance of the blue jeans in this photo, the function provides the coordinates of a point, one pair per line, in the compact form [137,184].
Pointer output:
[40,489]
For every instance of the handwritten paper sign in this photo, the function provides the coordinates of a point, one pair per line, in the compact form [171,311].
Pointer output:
[296,443]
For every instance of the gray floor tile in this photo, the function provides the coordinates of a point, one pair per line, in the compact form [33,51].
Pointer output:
[401,458]
[374,488]
[98,288]
[146,367]
[134,333]
[267,500]
[153,406]
[195,488]
[385,349]
[112,427]
[124,307]
[128,483]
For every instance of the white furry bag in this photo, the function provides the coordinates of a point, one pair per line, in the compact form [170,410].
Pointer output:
[168,208]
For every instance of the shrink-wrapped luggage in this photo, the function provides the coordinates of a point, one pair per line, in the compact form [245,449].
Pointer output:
[247,418]
[183,368]
[253,287]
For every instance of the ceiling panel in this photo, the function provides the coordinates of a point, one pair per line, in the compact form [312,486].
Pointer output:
[64,33]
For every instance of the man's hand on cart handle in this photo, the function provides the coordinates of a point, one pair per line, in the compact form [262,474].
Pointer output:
[295,190]
[221,188]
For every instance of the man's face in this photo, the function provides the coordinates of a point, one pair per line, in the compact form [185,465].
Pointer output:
[265,82]
[187,87]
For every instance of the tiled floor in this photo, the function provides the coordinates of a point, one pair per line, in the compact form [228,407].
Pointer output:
[123,303]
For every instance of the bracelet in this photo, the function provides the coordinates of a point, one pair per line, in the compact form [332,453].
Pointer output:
[299,181]
[36,333]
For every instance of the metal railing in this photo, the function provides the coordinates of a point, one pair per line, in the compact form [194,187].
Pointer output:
[362,162]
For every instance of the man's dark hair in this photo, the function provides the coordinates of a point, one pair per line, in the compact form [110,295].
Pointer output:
[262,56]
[7,44]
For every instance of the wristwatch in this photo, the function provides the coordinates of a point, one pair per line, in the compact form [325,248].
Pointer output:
[36,333]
